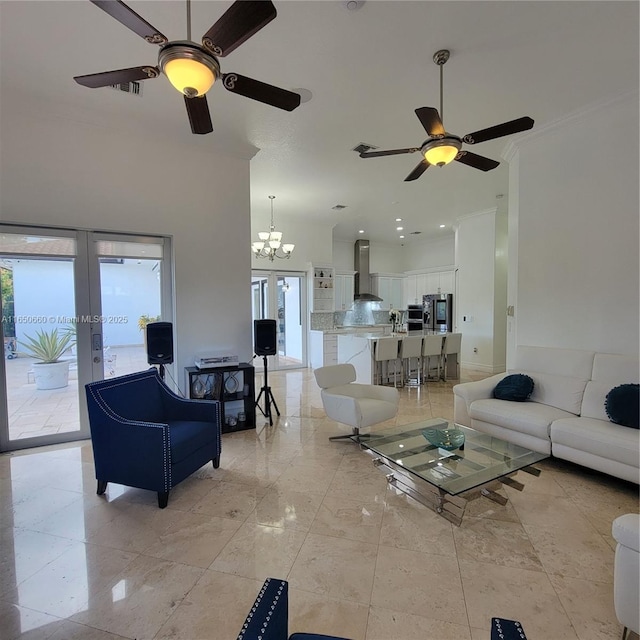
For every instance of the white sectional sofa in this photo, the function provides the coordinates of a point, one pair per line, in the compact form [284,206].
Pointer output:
[565,416]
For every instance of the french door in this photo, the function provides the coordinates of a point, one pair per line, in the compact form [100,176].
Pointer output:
[281,296]
[81,298]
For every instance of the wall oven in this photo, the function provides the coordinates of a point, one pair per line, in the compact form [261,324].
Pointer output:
[415,317]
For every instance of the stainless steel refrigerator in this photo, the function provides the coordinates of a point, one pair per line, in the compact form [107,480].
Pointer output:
[438,312]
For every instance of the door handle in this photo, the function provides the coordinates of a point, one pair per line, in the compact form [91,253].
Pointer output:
[96,342]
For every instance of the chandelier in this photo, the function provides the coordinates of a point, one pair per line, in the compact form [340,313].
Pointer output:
[270,244]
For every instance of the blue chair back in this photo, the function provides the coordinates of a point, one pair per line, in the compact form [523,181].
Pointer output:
[138,396]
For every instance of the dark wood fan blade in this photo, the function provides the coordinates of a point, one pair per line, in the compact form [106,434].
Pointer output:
[130,19]
[256,90]
[500,130]
[107,78]
[390,152]
[238,23]
[476,161]
[199,116]
[430,120]
[418,171]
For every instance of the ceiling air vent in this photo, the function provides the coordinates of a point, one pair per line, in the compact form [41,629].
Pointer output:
[134,87]
[339,207]
[415,233]
[363,147]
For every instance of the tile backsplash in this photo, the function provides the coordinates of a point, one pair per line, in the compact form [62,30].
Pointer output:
[325,321]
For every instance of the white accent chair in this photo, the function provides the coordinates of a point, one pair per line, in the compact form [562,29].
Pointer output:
[358,405]
[626,573]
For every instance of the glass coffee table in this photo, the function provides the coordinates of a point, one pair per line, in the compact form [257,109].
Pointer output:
[445,480]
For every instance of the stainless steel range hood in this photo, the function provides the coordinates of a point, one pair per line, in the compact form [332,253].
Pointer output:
[362,284]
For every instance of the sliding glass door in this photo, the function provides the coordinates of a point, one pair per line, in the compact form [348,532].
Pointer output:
[73,304]
[281,296]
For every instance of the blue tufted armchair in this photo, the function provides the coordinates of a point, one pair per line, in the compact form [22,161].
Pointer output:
[146,436]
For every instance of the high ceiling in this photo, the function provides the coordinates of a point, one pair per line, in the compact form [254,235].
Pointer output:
[367,70]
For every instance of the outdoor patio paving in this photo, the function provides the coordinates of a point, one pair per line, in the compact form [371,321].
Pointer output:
[38,412]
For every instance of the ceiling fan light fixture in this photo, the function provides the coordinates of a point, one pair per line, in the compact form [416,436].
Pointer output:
[190,69]
[441,151]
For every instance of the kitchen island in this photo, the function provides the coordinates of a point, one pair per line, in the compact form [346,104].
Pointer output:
[358,350]
[323,343]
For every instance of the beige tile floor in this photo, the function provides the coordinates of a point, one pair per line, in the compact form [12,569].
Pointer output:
[362,560]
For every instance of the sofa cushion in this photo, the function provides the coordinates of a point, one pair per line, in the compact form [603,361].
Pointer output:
[574,363]
[529,417]
[598,437]
[562,392]
[615,368]
[622,405]
[517,387]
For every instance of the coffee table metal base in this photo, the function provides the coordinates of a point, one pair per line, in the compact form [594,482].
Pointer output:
[445,504]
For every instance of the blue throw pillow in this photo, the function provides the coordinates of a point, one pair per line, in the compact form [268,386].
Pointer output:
[517,387]
[622,405]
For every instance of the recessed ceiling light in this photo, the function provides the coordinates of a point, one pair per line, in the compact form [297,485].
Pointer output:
[398,219]
[442,226]
[401,237]
[361,231]
[399,228]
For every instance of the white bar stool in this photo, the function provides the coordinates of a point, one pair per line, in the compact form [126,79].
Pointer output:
[452,344]
[386,350]
[431,348]
[411,347]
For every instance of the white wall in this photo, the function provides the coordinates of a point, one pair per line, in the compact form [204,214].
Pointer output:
[429,254]
[383,258]
[43,296]
[58,171]
[313,244]
[45,290]
[577,232]
[476,257]
[128,290]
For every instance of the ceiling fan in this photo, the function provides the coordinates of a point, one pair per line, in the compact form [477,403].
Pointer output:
[192,68]
[442,147]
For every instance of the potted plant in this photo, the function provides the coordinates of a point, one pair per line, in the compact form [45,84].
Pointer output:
[144,320]
[48,346]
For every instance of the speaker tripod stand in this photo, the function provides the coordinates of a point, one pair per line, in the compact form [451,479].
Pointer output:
[268,397]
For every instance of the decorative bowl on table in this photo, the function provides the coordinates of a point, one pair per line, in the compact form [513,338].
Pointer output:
[447,439]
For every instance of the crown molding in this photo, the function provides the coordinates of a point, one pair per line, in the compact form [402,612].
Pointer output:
[513,146]
[477,214]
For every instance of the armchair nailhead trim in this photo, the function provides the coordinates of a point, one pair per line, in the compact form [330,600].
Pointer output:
[96,387]
[257,604]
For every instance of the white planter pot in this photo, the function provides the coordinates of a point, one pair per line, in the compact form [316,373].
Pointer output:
[51,375]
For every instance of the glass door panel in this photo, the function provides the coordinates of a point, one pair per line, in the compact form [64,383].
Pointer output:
[130,285]
[39,370]
[290,322]
[281,296]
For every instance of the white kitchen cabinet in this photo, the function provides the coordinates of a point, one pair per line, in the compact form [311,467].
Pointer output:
[323,349]
[343,287]
[410,291]
[322,281]
[390,288]
[420,284]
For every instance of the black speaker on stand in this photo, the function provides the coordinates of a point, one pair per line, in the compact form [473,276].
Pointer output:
[160,344]
[264,344]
